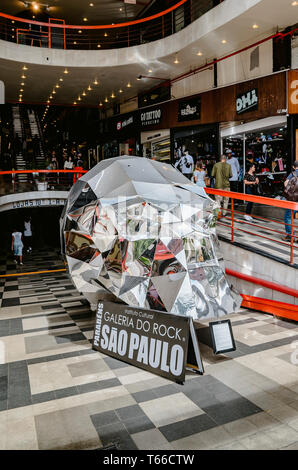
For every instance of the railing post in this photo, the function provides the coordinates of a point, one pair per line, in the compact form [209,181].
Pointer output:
[232,216]
[292,237]
[127,36]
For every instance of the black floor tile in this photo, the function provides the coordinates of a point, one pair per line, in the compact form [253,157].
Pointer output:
[11,288]
[187,427]
[3,388]
[105,418]
[69,338]
[10,302]
[66,392]
[114,363]
[42,397]
[129,412]
[146,395]
[138,424]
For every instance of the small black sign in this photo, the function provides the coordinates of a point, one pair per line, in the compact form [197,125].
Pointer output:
[151,340]
[222,337]
[189,110]
[247,101]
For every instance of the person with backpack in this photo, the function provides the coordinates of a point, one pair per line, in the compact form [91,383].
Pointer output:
[186,165]
[291,194]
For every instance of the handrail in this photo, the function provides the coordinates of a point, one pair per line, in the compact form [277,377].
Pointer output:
[54,34]
[261,232]
[109,26]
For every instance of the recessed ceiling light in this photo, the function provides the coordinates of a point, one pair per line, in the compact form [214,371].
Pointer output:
[150,71]
[23,76]
[112,95]
[255,26]
[223,41]
[105,35]
[80,31]
[53,92]
[85,19]
[120,91]
[25,68]
[199,53]
[106,100]
[176,61]
[100,104]
[22,84]
[128,85]
[98,45]
[95,82]
[65,71]
[74,102]
[89,88]
[75,42]
[79,98]
[83,94]
[294,4]
[91,4]
[60,79]
[57,86]
[21,89]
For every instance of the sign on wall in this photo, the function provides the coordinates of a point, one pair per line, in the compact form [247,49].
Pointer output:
[247,101]
[151,118]
[293,92]
[151,340]
[123,124]
[189,110]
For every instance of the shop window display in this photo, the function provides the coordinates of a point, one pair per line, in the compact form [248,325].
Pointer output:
[267,149]
[201,145]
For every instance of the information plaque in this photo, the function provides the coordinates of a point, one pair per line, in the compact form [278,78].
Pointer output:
[149,339]
[222,336]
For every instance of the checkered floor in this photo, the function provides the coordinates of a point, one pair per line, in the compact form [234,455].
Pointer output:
[57,393]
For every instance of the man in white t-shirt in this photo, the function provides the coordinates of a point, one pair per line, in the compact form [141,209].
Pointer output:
[233,161]
[28,235]
[186,165]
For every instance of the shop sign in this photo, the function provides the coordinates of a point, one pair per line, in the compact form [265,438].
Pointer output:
[247,101]
[151,118]
[293,92]
[122,124]
[189,110]
[151,340]
[37,203]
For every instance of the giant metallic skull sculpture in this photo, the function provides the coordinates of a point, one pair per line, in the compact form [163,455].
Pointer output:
[139,230]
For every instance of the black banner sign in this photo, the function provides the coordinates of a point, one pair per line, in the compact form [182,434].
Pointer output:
[189,110]
[151,118]
[151,340]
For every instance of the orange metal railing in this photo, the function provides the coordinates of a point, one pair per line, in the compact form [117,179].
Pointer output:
[56,34]
[235,224]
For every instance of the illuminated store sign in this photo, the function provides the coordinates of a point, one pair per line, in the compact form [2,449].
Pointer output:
[189,110]
[247,101]
[150,118]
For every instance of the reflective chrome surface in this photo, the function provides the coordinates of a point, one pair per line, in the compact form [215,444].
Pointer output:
[140,231]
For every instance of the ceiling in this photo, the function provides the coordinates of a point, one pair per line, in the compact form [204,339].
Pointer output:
[42,79]
[74,11]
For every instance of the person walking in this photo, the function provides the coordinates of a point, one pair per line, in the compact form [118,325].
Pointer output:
[222,172]
[233,161]
[186,165]
[68,165]
[200,175]
[291,193]
[17,246]
[28,235]
[250,181]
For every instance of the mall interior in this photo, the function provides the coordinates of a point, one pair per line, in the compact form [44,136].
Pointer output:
[117,119]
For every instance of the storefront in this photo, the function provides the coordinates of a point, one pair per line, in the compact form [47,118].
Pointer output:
[293,111]
[123,136]
[265,143]
[155,133]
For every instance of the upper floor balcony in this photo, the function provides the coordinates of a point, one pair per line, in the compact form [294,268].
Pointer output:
[55,34]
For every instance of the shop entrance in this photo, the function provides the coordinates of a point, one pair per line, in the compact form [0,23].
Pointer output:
[201,143]
[264,143]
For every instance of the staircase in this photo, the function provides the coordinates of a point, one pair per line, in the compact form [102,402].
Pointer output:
[37,137]
[18,131]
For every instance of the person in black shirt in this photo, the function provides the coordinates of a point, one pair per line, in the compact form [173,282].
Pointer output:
[250,181]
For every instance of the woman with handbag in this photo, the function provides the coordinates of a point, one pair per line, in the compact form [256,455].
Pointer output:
[251,182]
